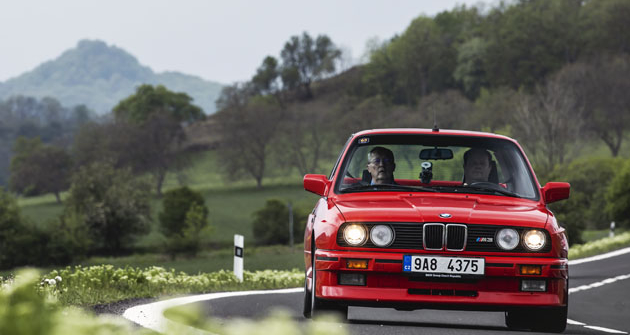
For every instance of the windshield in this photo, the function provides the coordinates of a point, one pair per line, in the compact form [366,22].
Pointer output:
[436,163]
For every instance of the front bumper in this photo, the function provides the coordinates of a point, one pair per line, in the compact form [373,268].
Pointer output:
[386,285]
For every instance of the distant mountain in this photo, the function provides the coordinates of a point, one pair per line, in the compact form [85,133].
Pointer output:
[99,76]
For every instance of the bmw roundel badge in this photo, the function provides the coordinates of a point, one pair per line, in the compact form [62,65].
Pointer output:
[445,216]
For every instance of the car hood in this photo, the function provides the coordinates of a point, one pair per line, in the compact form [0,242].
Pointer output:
[470,209]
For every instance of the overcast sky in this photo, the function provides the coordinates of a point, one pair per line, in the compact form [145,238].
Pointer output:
[223,41]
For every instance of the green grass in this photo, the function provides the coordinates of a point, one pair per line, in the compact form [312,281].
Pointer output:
[231,204]
[593,235]
[600,246]
[256,258]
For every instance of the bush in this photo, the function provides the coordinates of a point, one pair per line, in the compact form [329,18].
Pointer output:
[22,243]
[184,221]
[115,206]
[618,196]
[589,179]
[69,239]
[176,205]
[271,223]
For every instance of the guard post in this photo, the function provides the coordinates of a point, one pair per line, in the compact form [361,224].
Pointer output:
[238,256]
[612,230]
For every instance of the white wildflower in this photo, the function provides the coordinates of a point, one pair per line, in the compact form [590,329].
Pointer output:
[58,279]
[52,282]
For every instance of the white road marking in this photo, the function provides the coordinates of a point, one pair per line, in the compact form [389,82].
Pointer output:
[152,315]
[576,323]
[607,330]
[598,284]
[600,257]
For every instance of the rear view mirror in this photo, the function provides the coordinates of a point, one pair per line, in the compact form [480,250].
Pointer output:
[435,154]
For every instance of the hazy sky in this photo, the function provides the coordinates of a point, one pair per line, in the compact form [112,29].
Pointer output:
[223,41]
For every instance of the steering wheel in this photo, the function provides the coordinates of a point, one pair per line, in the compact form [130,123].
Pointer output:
[487,184]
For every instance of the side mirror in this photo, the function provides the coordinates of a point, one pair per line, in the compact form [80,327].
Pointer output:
[316,183]
[556,191]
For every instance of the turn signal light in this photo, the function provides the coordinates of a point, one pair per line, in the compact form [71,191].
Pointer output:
[531,270]
[357,263]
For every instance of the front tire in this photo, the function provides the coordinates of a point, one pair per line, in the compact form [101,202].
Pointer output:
[545,320]
[319,307]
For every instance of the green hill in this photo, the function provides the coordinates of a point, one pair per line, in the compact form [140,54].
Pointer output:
[99,76]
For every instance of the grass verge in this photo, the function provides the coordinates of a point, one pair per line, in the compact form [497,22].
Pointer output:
[599,246]
[87,286]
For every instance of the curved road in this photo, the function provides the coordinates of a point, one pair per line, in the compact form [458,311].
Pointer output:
[599,303]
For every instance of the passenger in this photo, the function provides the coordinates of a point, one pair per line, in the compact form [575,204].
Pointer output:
[477,165]
[381,166]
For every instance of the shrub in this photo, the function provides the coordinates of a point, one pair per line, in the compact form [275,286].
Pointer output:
[618,196]
[176,205]
[22,243]
[184,221]
[271,223]
[115,206]
[69,239]
[589,179]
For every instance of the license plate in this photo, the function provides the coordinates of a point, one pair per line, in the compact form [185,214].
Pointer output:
[444,265]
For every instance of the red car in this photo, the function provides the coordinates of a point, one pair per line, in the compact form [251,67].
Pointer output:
[438,219]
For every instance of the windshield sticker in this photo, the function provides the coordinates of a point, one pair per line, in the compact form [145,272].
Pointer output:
[364,140]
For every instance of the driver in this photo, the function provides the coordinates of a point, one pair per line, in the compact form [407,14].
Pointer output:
[477,165]
[381,166]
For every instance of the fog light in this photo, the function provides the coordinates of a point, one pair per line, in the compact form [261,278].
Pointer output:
[356,279]
[528,285]
[531,270]
[357,263]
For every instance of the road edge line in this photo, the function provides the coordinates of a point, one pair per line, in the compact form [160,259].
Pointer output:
[600,257]
[151,315]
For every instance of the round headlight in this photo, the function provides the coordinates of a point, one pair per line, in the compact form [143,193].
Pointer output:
[507,238]
[355,234]
[382,235]
[534,240]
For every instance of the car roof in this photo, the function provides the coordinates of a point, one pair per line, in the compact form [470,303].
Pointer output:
[420,131]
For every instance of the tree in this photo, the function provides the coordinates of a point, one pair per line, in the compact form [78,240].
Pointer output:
[603,87]
[530,40]
[183,219]
[271,223]
[414,64]
[606,26]
[305,60]
[176,204]
[470,70]
[37,168]
[590,179]
[550,119]
[116,206]
[618,195]
[493,110]
[158,115]
[266,78]
[302,137]
[246,134]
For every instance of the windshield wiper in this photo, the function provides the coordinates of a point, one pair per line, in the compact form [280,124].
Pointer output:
[492,189]
[380,187]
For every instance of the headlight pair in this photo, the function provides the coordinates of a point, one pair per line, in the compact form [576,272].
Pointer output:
[357,235]
[533,240]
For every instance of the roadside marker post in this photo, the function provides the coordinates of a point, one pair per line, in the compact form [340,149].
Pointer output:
[612,230]
[238,256]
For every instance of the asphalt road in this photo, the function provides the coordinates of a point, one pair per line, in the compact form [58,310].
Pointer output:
[599,303]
